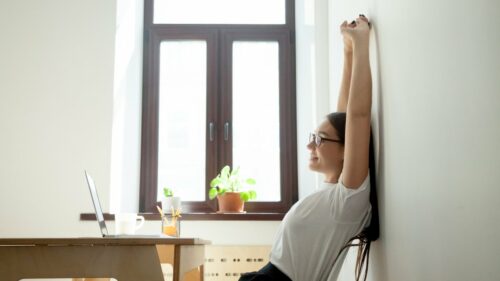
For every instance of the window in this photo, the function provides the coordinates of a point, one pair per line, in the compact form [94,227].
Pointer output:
[219,89]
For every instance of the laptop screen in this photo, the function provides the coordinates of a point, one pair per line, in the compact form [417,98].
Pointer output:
[97,205]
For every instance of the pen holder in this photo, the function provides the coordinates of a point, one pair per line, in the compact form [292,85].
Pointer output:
[170,225]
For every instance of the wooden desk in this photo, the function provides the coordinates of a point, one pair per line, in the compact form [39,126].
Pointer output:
[126,259]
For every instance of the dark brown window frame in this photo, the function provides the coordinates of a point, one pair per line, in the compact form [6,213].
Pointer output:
[219,38]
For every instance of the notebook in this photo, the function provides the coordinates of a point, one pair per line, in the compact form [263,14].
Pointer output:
[100,216]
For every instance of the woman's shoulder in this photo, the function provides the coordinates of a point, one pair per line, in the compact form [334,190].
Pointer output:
[351,191]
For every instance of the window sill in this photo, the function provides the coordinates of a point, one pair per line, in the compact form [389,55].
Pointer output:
[199,217]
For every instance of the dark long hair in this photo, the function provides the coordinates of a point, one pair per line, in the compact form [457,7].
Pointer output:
[372,232]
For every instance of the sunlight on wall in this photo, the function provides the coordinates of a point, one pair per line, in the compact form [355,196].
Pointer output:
[127,100]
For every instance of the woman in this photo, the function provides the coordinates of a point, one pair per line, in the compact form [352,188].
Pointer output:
[312,238]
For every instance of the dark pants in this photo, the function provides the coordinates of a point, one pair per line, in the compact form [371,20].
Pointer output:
[268,273]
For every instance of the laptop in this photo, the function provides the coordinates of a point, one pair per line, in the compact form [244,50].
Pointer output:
[100,216]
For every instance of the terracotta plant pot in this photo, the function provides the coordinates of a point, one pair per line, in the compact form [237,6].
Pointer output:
[230,202]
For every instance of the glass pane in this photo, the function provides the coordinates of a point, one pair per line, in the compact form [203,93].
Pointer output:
[220,11]
[182,119]
[256,146]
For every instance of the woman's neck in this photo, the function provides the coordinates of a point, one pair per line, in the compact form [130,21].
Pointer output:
[333,177]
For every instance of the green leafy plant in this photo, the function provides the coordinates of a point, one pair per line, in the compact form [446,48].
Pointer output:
[231,181]
[168,192]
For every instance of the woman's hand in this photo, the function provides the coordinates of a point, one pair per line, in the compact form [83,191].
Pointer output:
[355,33]
[347,39]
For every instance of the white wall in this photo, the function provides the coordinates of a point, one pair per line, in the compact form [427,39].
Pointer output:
[127,107]
[439,119]
[56,70]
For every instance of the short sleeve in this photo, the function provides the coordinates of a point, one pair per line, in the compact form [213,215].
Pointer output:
[349,192]
[353,204]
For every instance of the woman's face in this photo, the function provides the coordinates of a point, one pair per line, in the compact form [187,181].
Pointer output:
[326,158]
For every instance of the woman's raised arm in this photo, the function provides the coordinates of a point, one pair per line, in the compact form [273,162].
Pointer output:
[346,72]
[357,135]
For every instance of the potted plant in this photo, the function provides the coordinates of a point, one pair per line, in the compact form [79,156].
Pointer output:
[169,201]
[228,187]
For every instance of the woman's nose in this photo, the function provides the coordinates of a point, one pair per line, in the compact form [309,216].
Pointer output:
[311,146]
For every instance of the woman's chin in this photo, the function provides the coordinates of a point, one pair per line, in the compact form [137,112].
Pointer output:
[313,165]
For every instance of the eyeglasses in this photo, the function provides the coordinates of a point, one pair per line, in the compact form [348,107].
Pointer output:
[317,140]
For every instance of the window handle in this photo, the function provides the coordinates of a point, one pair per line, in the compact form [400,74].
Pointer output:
[211,131]
[226,131]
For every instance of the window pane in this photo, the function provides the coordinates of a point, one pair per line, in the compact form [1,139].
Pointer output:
[182,119]
[220,11]
[256,115]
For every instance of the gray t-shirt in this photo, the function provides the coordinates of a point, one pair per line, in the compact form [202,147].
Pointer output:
[317,227]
